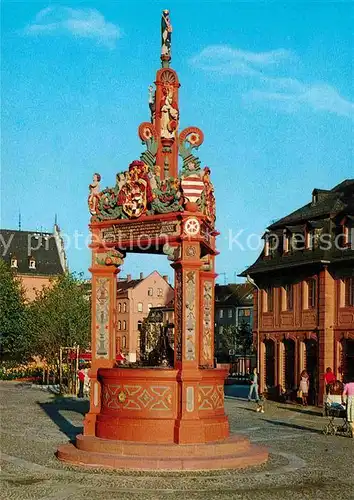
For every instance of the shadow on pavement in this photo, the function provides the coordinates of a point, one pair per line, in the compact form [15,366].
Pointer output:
[58,404]
[306,412]
[294,426]
[249,409]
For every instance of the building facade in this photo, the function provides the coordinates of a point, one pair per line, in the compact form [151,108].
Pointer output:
[36,257]
[135,298]
[160,320]
[305,276]
[233,308]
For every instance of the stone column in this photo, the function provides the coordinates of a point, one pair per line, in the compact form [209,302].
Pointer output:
[296,361]
[188,339]
[326,323]
[302,358]
[103,325]
[206,322]
[280,366]
[262,366]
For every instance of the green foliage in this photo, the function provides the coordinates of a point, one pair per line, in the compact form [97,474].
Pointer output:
[244,339]
[60,316]
[15,342]
[237,338]
[228,338]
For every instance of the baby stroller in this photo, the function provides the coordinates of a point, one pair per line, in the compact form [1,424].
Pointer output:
[336,411]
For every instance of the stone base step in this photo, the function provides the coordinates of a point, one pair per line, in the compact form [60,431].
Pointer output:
[129,448]
[233,453]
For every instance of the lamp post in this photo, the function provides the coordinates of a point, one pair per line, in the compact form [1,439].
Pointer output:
[253,283]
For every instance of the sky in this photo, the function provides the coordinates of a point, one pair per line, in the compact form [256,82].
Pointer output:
[269,83]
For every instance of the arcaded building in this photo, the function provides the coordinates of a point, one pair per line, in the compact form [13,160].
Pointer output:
[305,275]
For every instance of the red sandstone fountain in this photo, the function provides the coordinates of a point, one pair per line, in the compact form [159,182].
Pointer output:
[159,417]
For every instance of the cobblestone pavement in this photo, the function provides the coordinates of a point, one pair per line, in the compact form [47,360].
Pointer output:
[304,464]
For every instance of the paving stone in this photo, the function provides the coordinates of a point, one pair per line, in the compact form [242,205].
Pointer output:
[304,464]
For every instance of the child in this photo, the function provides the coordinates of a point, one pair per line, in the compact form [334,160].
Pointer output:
[304,386]
[261,403]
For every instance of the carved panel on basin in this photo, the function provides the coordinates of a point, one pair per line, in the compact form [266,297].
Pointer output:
[211,397]
[137,397]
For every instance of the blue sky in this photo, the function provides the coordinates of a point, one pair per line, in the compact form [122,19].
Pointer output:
[270,84]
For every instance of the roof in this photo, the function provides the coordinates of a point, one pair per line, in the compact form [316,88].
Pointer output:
[22,245]
[236,294]
[336,200]
[123,285]
[166,307]
[328,207]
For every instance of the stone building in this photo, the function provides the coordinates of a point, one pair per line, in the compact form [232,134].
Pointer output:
[135,298]
[36,257]
[306,279]
[159,320]
[233,308]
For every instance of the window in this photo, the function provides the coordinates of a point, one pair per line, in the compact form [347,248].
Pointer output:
[266,247]
[124,325]
[124,341]
[350,239]
[289,297]
[312,293]
[269,299]
[150,292]
[125,307]
[349,292]
[119,307]
[286,242]
[297,241]
[14,262]
[221,329]
[140,307]
[314,238]
[273,245]
[159,292]
[229,313]
[32,263]
[119,325]
[221,313]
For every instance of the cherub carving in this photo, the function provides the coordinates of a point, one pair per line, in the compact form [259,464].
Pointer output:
[93,198]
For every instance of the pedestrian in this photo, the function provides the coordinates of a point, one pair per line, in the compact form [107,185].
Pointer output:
[81,375]
[348,394]
[329,378]
[304,387]
[86,382]
[254,385]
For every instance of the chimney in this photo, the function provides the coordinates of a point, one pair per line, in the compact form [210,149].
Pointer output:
[129,277]
[141,276]
[165,277]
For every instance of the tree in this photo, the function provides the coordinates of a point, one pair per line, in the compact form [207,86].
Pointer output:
[15,340]
[225,342]
[60,316]
[244,339]
[234,338]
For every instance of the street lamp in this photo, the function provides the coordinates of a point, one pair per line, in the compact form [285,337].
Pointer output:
[253,283]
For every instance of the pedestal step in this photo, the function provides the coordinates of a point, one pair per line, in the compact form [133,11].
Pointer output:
[233,453]
[129,448]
